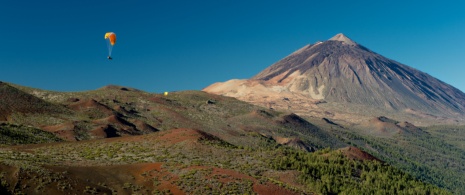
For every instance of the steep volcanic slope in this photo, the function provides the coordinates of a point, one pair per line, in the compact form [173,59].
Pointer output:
[15,101]
[340,70]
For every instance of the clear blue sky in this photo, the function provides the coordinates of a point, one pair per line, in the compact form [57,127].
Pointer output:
[181,45]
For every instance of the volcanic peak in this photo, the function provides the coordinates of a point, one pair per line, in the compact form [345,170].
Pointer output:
[340,71]
[341,37]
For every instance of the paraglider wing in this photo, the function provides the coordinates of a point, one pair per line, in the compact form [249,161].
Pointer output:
[110,37]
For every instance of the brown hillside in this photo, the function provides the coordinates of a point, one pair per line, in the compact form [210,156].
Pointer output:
[383,126]
[13,100]
[357,154]
[386,127]
[293,142]
[119,124]
[64,131]
[91,106]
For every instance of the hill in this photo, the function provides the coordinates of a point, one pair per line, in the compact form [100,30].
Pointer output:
[187,161]
[191,136]
[115,111]
[16,102]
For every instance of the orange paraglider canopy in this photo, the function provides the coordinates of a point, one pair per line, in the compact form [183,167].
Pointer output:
[111,36]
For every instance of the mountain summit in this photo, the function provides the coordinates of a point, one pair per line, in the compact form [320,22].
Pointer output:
[341,71]
[341,37]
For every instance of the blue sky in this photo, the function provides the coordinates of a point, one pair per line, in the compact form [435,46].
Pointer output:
[182,45]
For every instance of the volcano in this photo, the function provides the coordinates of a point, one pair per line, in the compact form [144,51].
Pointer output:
[342,71]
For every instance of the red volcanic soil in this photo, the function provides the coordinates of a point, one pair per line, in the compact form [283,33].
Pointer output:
[63,131]
[155,172]
[143,178]
[83,105]
[119,177]
[357,154]
[66,135]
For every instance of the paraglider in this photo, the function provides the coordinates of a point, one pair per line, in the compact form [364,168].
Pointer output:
[110,38]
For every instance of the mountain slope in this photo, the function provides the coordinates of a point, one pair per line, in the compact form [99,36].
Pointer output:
[15,101]
[341,71]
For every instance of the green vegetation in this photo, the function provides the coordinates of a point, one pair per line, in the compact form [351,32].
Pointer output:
[209,165]
[453,135]
[16,134]
[332,173]
[193,182]
[433,155]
